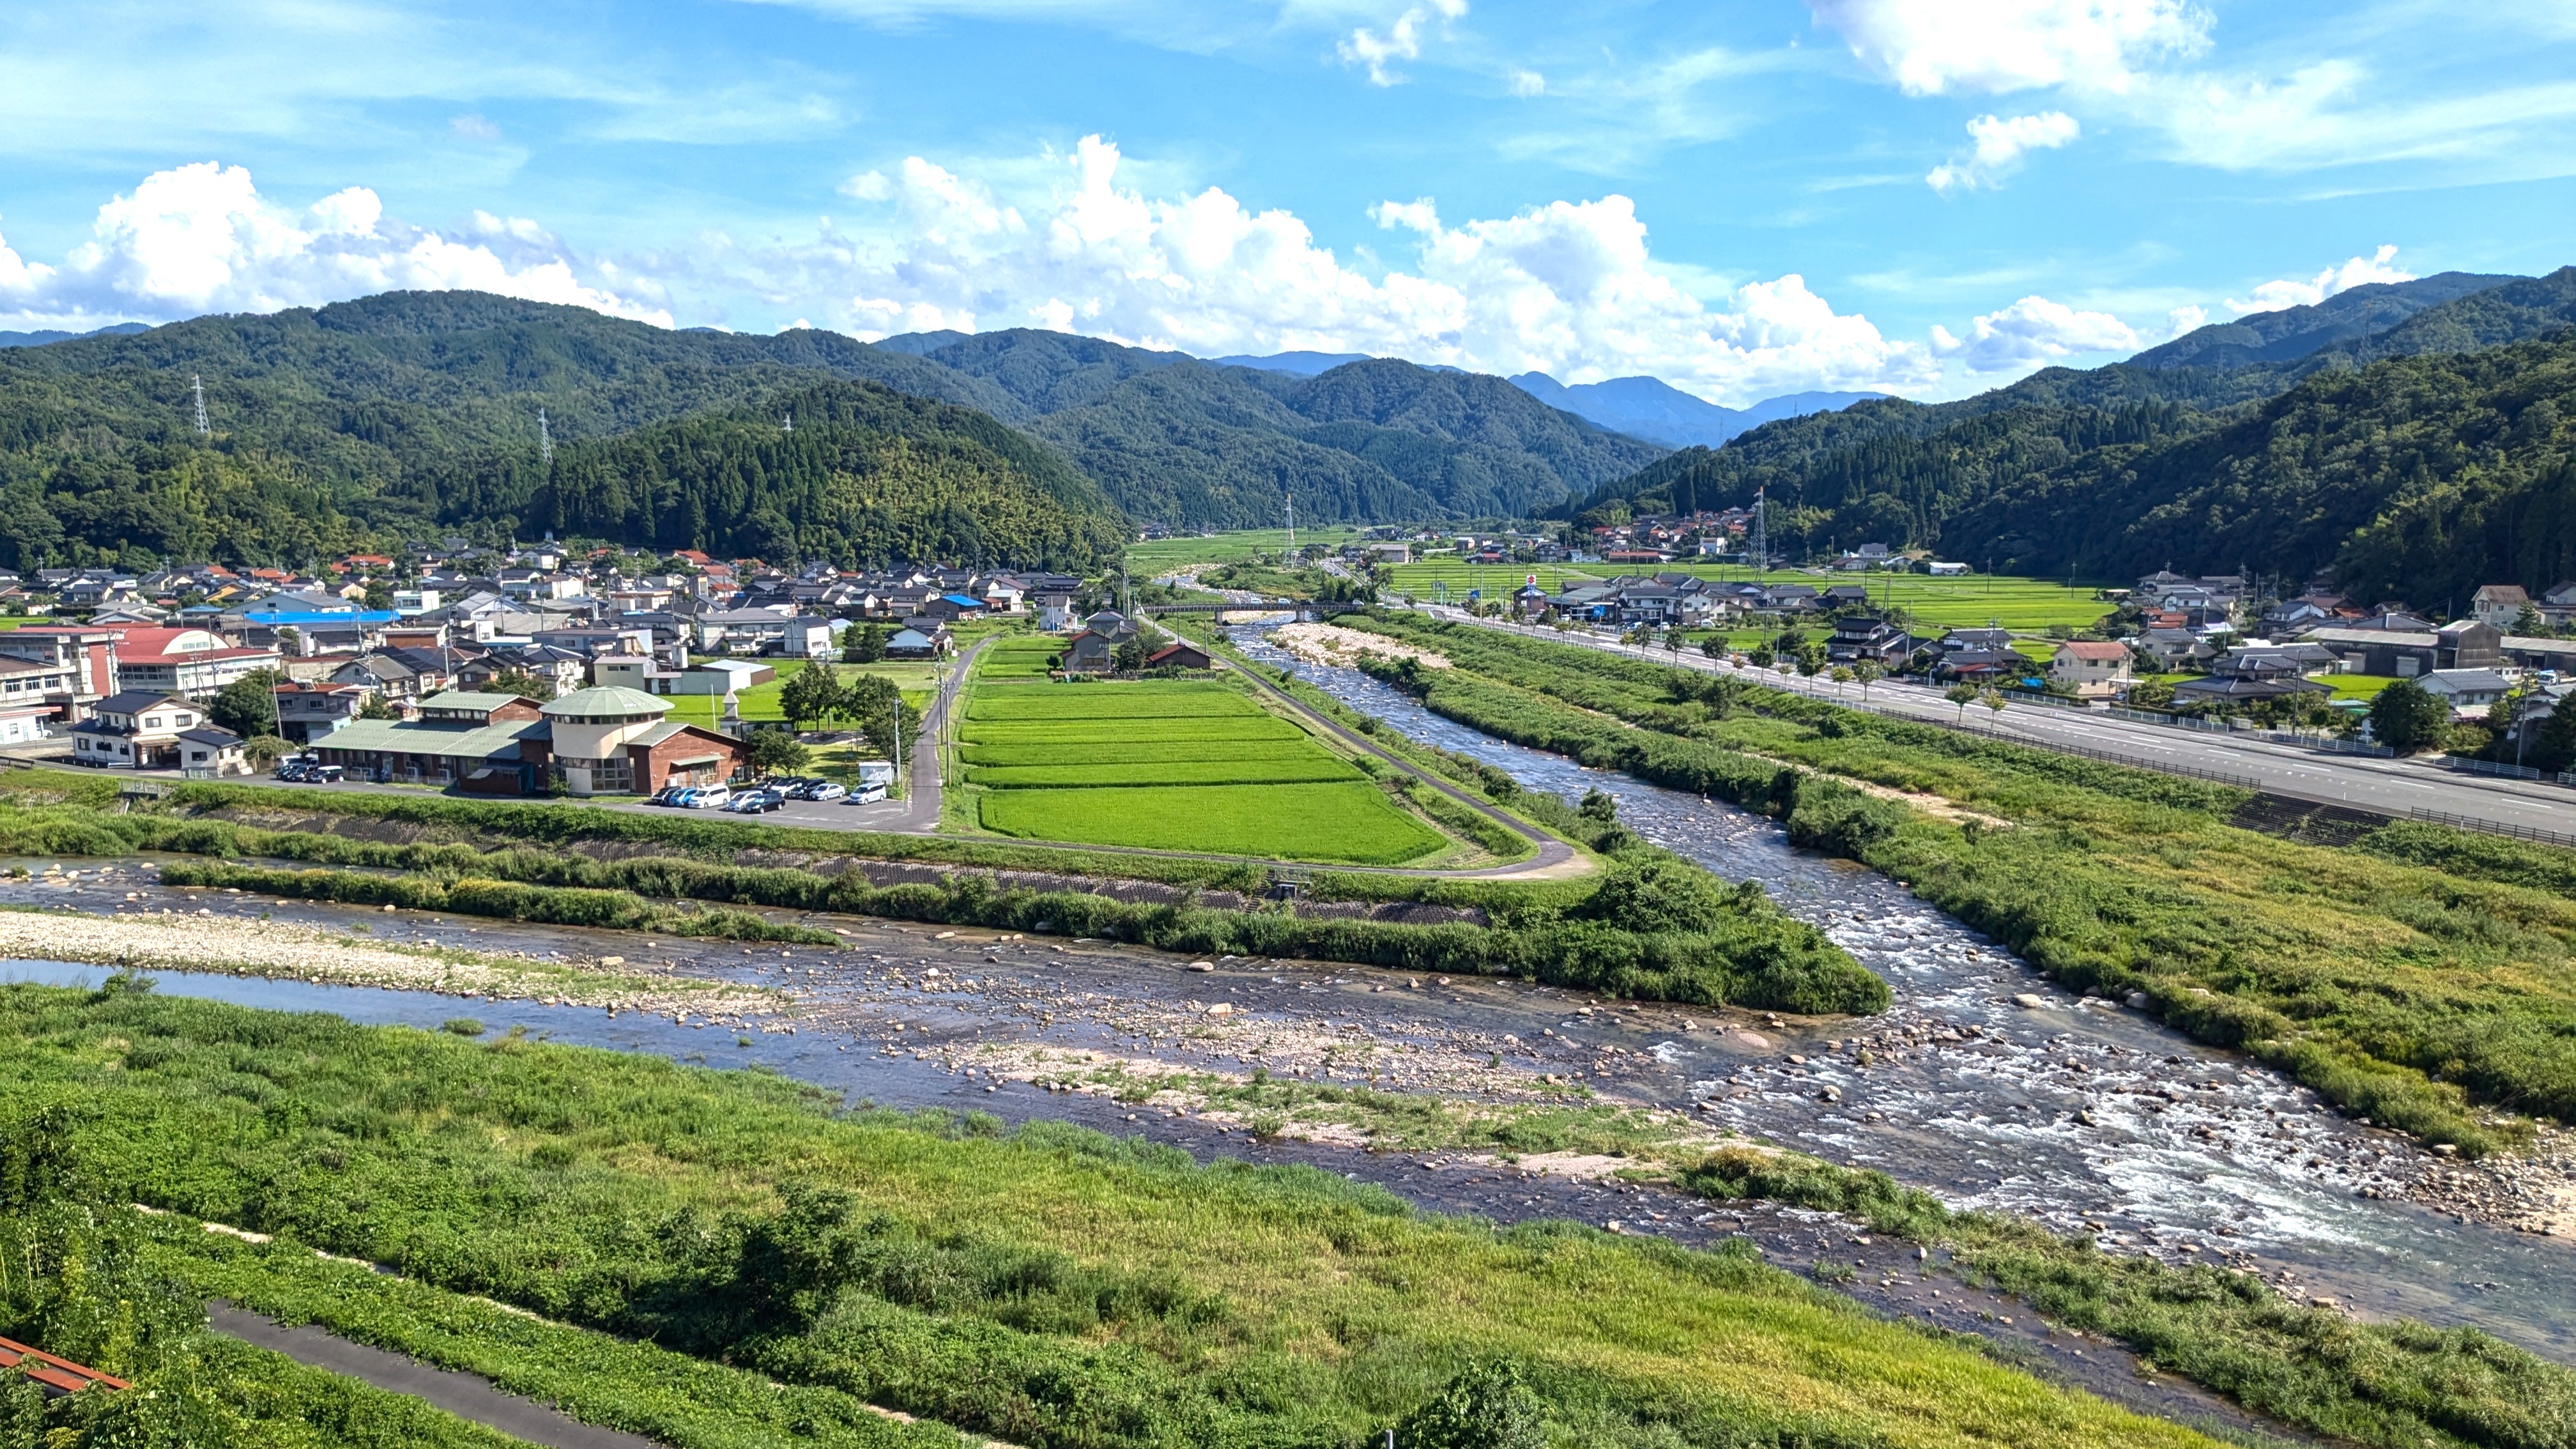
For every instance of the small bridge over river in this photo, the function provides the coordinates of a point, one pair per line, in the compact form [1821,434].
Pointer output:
[1306,610]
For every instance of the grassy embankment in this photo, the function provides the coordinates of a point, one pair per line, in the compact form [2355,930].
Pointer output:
[760,702]
[1174,765]
[1645,925]
[1050,1286]
[2424,987]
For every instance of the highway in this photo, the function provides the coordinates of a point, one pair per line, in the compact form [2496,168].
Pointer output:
[2400,788]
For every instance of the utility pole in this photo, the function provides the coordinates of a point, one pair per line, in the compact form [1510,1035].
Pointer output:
[197,385]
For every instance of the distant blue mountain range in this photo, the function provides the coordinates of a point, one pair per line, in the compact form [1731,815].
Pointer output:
[1641,407]
[39,339]
[1655,410]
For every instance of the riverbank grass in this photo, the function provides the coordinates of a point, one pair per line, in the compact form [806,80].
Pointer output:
[1047,1286]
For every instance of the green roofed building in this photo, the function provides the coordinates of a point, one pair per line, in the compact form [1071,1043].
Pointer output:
[600,741]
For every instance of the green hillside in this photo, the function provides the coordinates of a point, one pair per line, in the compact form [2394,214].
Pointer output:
[1201,446]
[391,416]
[868,476]
[2417,462]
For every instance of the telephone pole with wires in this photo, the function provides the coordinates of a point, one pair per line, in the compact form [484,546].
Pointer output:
[197,386]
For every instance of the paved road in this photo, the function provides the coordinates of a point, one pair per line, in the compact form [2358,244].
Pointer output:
[2401,788]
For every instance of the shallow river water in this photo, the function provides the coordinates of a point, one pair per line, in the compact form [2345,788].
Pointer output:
[2076,1114]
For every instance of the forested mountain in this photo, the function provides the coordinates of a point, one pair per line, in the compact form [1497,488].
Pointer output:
[2413,469]
[394,415]
[2295,332]
[1200,445]
[868,476]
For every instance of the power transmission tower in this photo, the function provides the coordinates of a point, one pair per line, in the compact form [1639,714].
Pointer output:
[1761,548]
[545,441]
[790,425]
[1292,527]
[197,385]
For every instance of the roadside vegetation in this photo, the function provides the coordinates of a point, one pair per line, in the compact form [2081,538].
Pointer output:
[2419,978]
[1047,1286]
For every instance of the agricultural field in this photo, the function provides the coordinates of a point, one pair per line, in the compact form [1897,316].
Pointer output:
[1950,603]
[917,681]
[1163,555]
[1019,656]
[1172,765]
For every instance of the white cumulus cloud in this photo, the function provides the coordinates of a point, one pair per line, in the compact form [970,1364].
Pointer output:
[200,238]
[1569,288]
[2379,266]
[1931,47]
[1402,40]
[1998,146]
[2033,332]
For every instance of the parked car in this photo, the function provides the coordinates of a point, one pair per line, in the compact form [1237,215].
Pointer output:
[668,795]
[323,774]
[755,802]
[867,794]
[707,797]
[821,790]
[291,773]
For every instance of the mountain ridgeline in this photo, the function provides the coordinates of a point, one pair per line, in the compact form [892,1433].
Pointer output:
[415,414]
[2415,461]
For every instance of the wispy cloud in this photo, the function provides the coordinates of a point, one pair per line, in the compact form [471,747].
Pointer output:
[1998,146]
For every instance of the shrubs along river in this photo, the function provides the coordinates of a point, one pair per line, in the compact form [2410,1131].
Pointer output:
[1645,924]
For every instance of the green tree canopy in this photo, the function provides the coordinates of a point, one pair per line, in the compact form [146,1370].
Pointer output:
[2407,718]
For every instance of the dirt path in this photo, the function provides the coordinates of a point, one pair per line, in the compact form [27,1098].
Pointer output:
[464,1395]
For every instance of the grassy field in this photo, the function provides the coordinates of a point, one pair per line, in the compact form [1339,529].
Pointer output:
[1950,603]
[761,701]
[1173,765]
[1019,656]
[1051,1287]
[1163,555]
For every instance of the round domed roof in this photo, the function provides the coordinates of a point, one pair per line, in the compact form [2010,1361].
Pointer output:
[604,701]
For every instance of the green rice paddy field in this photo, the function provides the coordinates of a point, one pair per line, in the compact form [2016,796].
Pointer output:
[1162,555]
[1019,656]
[1954,603]
[1172,765]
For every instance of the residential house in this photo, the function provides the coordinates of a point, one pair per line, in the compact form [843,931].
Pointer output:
[310,713]
[2174,649]
[1979,666]
[1178,655]
[2467,691]
[2497,605]
[2094,668]
[135,730]
[400,674]
[37,691]
[917,643]
[1790,598]
[210,752]
[1095,648]
[948,608]
[1859,637]
[1945,570]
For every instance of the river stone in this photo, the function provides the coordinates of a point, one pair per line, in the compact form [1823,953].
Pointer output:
[2030,1001]
[2137,1001]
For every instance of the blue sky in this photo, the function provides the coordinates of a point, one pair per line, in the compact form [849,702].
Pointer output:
[1926,196]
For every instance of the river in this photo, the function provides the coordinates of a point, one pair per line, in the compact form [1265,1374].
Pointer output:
[2078,1114]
